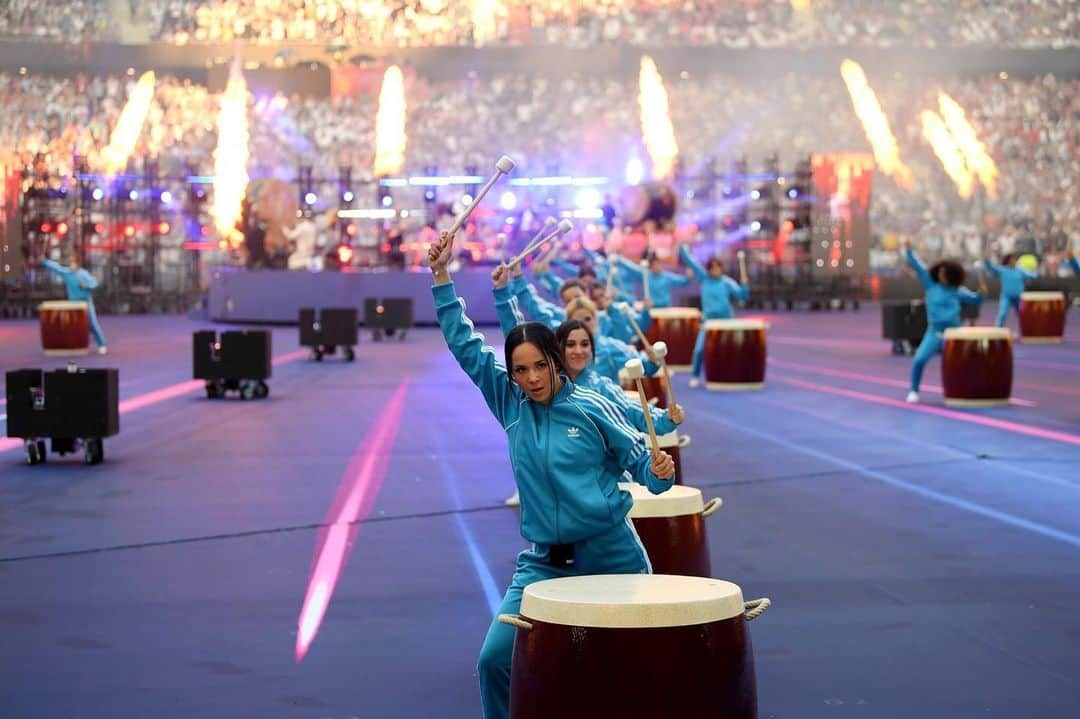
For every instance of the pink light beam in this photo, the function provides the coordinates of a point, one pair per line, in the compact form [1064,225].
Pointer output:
[352,504]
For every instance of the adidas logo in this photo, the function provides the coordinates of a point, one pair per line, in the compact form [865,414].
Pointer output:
[573,432]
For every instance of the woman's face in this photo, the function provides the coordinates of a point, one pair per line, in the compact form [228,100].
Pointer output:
[532,371]
[586,317]
[577,352]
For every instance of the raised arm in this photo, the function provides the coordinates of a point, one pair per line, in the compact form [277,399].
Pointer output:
[630,266]
[86,280]
[969,297]
[737,291]
[465,343]
[677,279]
[920,269]
[55,267]
[995,268]
[626,444]
[694,265]
[505,304]
[536,307]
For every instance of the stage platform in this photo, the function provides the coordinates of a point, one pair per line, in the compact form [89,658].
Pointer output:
[922,561]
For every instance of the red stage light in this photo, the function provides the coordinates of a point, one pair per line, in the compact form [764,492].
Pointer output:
[46,228]
[384,247]
[162,228]
[344,253]
[99,228]
[205,230]
[129,230]
[62,228]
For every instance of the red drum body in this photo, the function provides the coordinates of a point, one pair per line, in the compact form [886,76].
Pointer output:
[633,645]
[65,328]
[672,528]
[651,201]
[977,366]
[1042,316]
[734,354]
[678,327]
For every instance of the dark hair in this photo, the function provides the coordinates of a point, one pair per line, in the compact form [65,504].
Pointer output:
[563,333]
[714,260]
[650,256]
[1009,258]
[570,284]
[540,335]
[586,271]
[954,272]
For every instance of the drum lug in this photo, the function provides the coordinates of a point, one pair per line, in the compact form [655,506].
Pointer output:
[756,607]
[515,620]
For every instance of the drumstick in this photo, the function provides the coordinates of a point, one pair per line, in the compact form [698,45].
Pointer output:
[564,227]
[660,350]
[635,371]
[502,167]
[980,266]
[628,311]
[645,280]
[611,277]
[742,266]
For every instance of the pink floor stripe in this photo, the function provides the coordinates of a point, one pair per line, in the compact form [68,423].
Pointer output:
[1014,427]
[874,379]
[352,504]
[160,395]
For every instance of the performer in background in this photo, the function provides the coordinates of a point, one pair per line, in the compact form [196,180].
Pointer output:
[717,292]
[80,286]
[303,235]
[945,291]
[568,449]
[1012,280]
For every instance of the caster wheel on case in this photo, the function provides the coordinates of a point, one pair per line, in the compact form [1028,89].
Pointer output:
[262,390]
[32,456]
[93,451]
[349,354]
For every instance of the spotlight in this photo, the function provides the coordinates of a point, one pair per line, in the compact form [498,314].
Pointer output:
[46,228]
[508,201]
[162,228]
[166,197]
[587,198]
[635,170]
[61,228]
[351,230]
[344,254]
[129,230]
[793,193]
[133,195]
[466,200]
[755,195]
[755,226]
[310,198]
[387,200]
[98,194]
[348,196]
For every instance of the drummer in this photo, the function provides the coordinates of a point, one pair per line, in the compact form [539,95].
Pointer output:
[1073,263]
[80,286]
[611,354]
[717,292]
[1012,284]
[945,292]
[660,281]
[569,449]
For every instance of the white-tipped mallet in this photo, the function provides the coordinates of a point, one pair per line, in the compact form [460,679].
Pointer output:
[627,310]
[660,350]
[503,166]
[563,227]
[635,370]
[743,275]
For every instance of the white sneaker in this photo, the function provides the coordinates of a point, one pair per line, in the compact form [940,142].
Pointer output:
[103,350]
[912,397]
[694,382]
[513,501]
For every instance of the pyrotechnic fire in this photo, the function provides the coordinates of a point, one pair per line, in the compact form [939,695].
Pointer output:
[946,149]
[978,160]
[656,127]
[390,138]
[231,155]
[485,18]
[875,124]
[128,128]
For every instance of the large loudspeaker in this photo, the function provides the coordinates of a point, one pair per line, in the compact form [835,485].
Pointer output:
[653,201]
[240,354]
[335,326]
[63,404]
[393,313]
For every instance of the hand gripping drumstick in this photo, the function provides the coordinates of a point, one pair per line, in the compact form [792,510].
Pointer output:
[627,310]
[564,227]
[660,350]
[635,371]
[645,279]
[548,224]
[502,167]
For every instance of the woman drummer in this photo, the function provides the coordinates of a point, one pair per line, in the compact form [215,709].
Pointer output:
[568,449]
[945,292]
[717,292]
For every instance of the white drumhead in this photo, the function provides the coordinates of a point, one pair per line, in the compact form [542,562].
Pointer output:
[978,333]
[675,313]
[631,601]
[1046,296]
[62,305]
[675,502]
[734,324]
